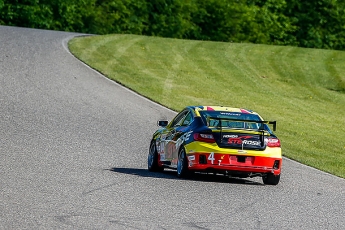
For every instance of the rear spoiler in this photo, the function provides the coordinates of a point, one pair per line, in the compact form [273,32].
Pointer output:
[274,123]
[261,129]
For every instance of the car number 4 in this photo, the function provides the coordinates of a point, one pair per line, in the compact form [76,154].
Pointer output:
[211,157]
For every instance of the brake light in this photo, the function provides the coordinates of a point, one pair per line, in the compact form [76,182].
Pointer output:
[204,137]
[273,142]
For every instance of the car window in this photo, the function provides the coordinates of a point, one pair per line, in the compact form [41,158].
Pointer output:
[178,119]
[188,119]
[232,124]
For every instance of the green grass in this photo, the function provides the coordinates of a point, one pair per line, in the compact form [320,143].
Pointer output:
[303,89]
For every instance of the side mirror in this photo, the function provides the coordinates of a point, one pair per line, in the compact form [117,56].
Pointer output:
[162,123]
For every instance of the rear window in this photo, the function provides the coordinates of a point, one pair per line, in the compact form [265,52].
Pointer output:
[230,119]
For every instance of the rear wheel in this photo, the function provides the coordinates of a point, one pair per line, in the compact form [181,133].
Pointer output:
[271,179]
[152,159]
[182,164]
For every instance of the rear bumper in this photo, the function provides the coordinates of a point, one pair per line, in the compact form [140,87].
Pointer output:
[234,164]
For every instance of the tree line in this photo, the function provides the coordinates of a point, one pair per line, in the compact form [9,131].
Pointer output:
[312,24]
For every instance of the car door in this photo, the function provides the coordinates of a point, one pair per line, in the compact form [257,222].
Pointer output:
[181,130]
[170,135]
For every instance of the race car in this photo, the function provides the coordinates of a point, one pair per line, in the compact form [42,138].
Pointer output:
[215,139]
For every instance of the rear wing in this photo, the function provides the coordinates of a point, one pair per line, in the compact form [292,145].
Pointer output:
[261,128]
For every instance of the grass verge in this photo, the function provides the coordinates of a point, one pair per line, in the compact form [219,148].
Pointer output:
[303,89]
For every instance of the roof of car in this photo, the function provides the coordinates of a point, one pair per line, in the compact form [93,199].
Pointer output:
[222,108]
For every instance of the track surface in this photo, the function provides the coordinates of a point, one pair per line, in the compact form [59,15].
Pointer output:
[73,149]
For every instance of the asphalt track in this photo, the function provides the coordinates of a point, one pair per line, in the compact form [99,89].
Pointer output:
[73,149]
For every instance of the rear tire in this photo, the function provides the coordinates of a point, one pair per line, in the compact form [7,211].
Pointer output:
[271,179]
[152,159]
[182,164]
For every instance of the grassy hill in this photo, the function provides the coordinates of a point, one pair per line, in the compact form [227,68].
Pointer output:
[303,89]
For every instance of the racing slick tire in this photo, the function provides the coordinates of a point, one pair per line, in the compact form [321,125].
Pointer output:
[152,159]
[182,164]
[271,179]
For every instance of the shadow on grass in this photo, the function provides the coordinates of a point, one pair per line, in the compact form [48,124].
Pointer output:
[171,174]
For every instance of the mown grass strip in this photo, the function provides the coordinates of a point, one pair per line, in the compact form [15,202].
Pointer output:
[303,89]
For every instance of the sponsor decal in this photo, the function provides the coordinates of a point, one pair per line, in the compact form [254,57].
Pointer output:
[247,142]
[183,138]
[230,114]
[160,146]
[242,151]
[191,158]
[236,141]
[240,141]
[230,136]
[162,157]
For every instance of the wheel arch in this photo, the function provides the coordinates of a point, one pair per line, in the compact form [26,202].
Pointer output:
[179,149]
